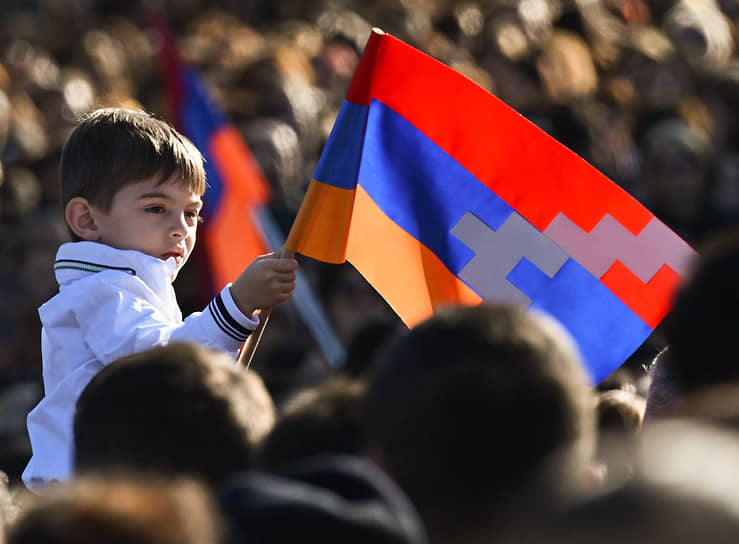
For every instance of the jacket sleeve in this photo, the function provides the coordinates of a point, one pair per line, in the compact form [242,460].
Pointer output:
[119,315]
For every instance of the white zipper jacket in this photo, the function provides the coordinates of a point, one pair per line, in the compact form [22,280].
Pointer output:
[111,303]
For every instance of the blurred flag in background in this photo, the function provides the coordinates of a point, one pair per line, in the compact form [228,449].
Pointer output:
[238,224]
[237,191]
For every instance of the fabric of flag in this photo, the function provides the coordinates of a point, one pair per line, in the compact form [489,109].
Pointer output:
[438,193]
[236,185]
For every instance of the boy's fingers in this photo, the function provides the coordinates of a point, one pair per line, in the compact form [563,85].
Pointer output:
[284,276]
[284,265]
[283,287]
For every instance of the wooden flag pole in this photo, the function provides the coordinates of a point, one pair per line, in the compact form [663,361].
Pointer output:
[251,344]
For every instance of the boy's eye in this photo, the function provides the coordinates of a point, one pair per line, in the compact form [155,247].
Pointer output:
[192,214]
[155,209]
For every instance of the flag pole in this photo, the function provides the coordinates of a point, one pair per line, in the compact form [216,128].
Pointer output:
[252,343]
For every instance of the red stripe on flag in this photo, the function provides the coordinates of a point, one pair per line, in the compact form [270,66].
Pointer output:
[652,300]
[523,165]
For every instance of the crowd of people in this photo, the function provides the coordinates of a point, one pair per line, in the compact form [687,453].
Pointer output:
[475,424]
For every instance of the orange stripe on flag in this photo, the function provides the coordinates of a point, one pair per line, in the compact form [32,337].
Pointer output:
[321,228]
[232,238]
[405,272]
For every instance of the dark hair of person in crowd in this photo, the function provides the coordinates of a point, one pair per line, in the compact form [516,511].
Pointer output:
[6,502]
[718,405]
[641,512]
[620,411]
[120,509]
[669,398]
[619,416]
[174,409]
[322,499]
[114,147]
[701,328]
[481,414]
[365,346]
[318,420]
[663,389]
[684,490]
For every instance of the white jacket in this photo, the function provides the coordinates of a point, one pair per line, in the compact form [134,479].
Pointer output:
[111,303]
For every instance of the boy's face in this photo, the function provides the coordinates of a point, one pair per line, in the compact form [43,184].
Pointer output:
[159,220]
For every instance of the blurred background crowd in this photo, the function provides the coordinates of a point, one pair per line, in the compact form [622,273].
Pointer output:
[645,90]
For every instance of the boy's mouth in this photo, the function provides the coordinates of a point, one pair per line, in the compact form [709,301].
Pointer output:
[178,255]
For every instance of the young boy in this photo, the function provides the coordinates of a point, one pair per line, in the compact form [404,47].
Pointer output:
[131,189]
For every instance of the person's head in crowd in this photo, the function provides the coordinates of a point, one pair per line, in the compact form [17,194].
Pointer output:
[701,33]
[640,512]
[328,498]
[620,411]
[120,509]
[677,158]
[174,409]
[619,419]
[566,68]
[622,378]
[684,490]
[350,301]
[117,169]
[482,415]
[317,420]
[15,448]
[366,344]
[701,327]
[718,405]
[5,505]
[664,386]
[287,365]
[724,190]
[669,397]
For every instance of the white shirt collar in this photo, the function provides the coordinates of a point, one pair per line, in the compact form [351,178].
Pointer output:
[76,260]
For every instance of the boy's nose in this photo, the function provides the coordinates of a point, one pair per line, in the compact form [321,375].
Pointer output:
[179,227]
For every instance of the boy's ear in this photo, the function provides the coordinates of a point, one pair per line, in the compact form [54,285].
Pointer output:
[81,220]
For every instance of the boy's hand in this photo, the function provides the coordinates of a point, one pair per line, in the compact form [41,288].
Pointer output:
[266,282]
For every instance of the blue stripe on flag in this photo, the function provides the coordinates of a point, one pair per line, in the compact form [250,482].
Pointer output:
[201,119]
[606,330]
[339,162]
[421,187]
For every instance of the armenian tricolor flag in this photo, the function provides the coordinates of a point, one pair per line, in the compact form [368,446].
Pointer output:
[438,193]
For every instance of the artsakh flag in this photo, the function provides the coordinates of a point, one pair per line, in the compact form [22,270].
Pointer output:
[439,194]
[236,186]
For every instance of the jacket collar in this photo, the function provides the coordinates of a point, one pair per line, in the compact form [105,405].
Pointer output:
[77,260]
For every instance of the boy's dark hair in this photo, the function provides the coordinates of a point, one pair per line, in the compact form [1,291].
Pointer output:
[175,409]
[319,420]
[114,147]
[120,510]
[476,407]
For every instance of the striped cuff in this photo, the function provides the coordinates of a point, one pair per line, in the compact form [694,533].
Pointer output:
[229,318]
